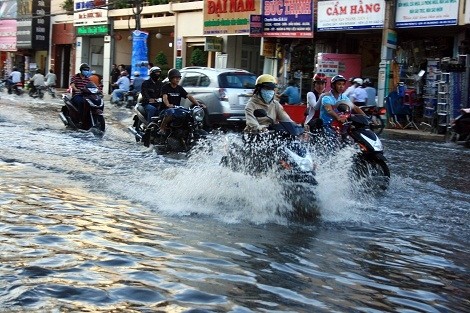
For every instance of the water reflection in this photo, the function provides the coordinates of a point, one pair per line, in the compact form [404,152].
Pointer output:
[84,228]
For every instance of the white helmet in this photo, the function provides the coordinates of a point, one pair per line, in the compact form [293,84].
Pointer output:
[358,81]
[136,73]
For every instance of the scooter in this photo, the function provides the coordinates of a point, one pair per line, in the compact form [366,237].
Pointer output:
[283,149]
[92,116]
[369,163]
[460,128]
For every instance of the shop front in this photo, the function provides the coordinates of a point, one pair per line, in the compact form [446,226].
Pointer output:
[429,69]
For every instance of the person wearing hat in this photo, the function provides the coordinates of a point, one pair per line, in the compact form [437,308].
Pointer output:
[137,82]
[123,84]
[313,97]
[328,108]
[263,98]
[172,93]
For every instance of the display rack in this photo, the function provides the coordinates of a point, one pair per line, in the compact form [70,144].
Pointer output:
[443,104]
[430,88]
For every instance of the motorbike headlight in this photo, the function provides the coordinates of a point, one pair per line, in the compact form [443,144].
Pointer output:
[305,163]
[198,114]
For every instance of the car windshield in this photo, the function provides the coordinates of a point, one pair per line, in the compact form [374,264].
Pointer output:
[242,80]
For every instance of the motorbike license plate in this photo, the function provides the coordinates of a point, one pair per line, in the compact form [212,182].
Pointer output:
[130,98]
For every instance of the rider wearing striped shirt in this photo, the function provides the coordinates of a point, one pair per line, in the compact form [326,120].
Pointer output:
[78,82]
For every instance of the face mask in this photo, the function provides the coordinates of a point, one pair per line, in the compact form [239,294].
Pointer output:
[86,73]
[155,76]
[267,95]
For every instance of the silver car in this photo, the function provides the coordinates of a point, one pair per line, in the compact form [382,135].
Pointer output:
[225,92]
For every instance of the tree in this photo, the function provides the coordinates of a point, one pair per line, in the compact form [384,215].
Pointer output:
[67,6]
[162,62]
[197,58]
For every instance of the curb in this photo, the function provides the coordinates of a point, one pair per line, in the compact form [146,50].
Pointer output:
[412,134]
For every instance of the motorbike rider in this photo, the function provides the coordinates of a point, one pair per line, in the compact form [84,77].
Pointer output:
[313,97]
[263,98]
[137,82]
[37,81]
[330,100]
[123,84]
[78,82]
[13,79]
[151,93]
[171,97]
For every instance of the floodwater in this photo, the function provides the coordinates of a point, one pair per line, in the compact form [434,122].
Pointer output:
[93,224]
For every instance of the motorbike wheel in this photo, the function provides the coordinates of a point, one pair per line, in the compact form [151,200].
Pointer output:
[378,125]
[374,172]
[101,123]
[176,144]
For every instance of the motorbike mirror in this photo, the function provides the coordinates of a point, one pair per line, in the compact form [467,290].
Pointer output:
[260,113]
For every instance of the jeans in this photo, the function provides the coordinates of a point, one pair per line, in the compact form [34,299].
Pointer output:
[79,102]
[117,94]
[151,112]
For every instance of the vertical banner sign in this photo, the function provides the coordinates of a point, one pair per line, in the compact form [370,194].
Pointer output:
[140,53]
[288,18]
[41,24]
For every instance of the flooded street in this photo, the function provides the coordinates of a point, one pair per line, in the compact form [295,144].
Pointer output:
[93,224]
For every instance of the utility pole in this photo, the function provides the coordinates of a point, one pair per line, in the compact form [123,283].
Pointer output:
[137,10]
[388,45]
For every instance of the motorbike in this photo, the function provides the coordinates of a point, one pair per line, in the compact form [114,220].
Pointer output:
[460,128]
[36,91]
[284,149]
[369,163]
[377,117]
[185,130]
[16,88]
[92,117]
[130,98]
[51,91]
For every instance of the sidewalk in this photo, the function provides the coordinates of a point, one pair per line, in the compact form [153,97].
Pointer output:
[412,134]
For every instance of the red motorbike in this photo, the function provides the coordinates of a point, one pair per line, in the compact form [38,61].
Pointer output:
[92,116]
[377,117]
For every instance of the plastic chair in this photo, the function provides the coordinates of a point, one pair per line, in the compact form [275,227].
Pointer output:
[396,108]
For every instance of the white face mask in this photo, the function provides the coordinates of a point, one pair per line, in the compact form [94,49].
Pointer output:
[267,95]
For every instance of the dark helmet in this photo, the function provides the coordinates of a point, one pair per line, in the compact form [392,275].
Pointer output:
[338,78]
[319,77]
[155,69]
[84,67]
[173,73]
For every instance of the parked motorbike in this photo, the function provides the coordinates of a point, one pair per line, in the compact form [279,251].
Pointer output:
[92,116]
[370,163]
[460,128]
[284,149]
[377,117]
[184,130]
